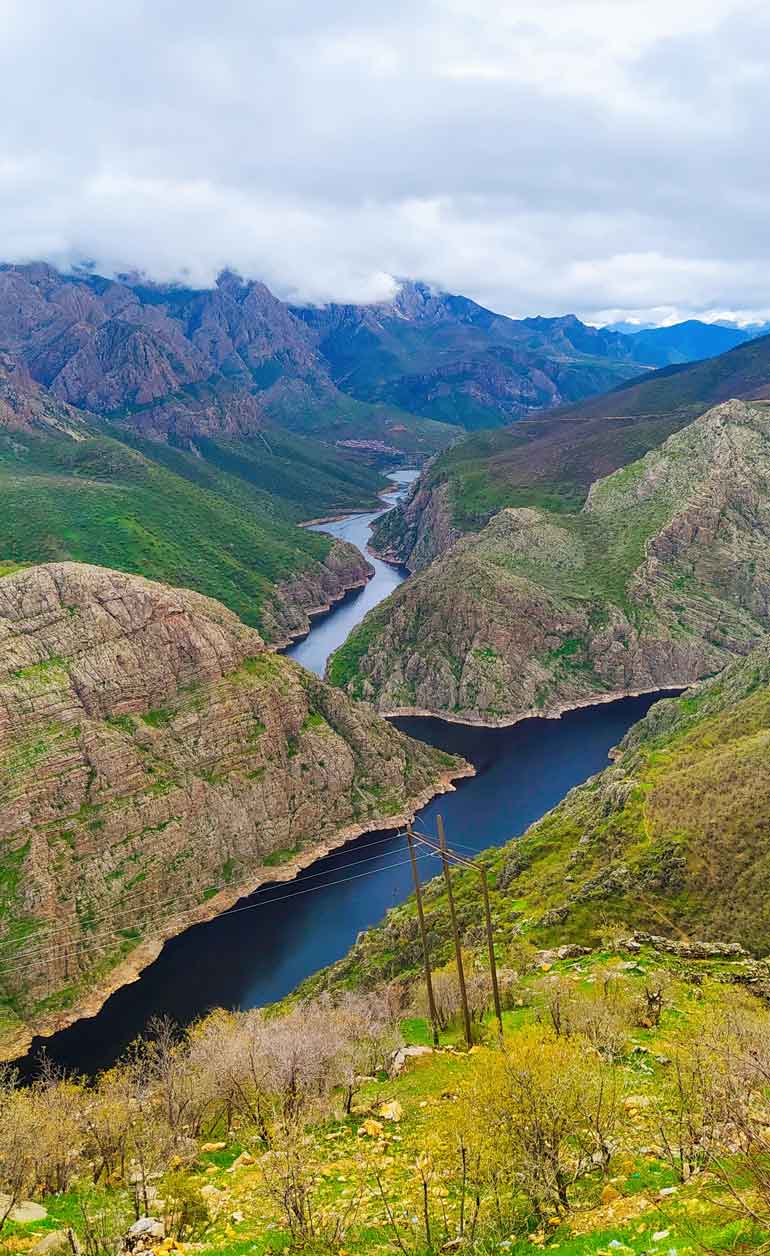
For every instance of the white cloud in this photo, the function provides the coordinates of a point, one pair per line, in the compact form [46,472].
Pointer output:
[539,155]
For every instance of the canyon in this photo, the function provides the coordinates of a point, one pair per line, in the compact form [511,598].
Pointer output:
[156,762]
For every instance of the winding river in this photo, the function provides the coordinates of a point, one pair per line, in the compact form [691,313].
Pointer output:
[262,948]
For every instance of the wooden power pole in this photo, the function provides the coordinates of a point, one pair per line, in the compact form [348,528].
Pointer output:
[455,932]
[446,855]
[424,936]
[491,950]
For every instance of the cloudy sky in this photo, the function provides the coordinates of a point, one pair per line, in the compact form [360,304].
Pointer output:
[608,157]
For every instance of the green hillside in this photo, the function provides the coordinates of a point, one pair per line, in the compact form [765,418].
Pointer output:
[224,524]
[658,581]
[551,462]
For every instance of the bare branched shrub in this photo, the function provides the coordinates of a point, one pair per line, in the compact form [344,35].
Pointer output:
[447,997]
[602,1014]
[57,1103]
[294,1184]
[654,998]
[369,1027]
[17,1142]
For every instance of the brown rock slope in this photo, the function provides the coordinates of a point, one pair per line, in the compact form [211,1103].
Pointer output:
[660,579]
[155,762]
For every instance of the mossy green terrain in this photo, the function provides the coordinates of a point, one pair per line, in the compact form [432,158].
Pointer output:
[392,1166]
[223,521]
[672,839]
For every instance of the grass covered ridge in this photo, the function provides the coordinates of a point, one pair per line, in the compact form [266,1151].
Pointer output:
[223,524]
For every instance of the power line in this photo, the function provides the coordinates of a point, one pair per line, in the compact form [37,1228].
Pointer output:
[59,948]
[122,907]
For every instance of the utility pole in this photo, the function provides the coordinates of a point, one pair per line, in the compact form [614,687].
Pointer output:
[455,932]
[491,949]
[424,935]
[473,867]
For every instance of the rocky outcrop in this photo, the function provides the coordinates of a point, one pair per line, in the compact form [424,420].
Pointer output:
[661,578]
[179,363]
[27,408]
[156,761]
[315,590]
[418,530]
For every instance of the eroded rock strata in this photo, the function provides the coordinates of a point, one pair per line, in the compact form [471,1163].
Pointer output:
[156,761]
[660,579]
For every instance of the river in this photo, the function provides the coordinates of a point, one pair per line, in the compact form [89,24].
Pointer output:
[267,944]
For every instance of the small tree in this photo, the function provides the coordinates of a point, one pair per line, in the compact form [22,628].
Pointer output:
[551,1110]
[18,1120]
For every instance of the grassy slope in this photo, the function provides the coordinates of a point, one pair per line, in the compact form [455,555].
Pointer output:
[574,571]
[552,461]
[673,838]
[173,517]
[647,1200]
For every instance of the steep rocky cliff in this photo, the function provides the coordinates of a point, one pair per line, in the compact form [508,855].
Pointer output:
[660,579]
[155,762]
[179,363]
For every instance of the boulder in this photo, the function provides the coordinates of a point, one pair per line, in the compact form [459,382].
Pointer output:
[144,1234]
[400,1057]
[56,1243]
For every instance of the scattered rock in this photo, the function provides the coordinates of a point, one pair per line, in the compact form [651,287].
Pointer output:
[570,951]
[25,1211]
[56,1243]
[243,1161]
[391,1111]
[371,1128]
[400,1057]
[144,1233]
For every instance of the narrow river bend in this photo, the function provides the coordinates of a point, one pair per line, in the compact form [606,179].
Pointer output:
[271,941]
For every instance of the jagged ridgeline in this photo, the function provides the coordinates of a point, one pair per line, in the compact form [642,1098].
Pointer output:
[661,578]
[673,839]
[156,761]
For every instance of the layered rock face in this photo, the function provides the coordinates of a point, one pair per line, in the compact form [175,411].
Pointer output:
[155,762]
[418,530]
[661,578]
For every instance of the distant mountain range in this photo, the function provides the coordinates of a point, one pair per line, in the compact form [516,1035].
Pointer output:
[550,460]
[183,433]
[179,363]
[690,341]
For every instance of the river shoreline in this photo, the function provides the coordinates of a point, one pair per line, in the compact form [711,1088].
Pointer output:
[213,956]
[670,690]
[131,969]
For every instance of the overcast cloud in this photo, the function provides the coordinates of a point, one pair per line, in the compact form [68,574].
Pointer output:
[608,157]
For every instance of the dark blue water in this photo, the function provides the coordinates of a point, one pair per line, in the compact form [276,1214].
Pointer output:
[264,947]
